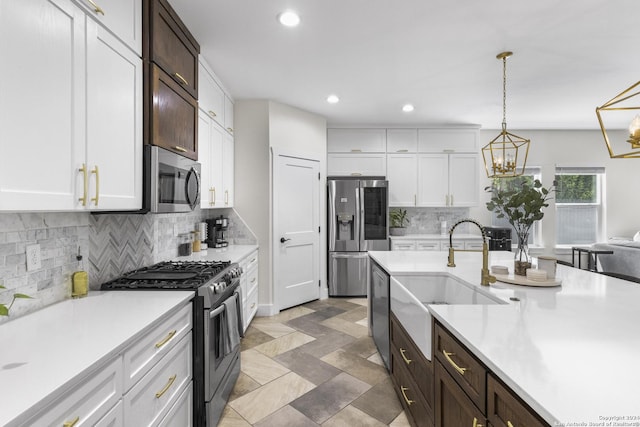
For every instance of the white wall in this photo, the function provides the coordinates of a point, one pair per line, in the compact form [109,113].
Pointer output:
[549,148]
[261,125]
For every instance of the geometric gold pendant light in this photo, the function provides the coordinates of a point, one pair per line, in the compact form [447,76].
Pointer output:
[506,155]
[621,105]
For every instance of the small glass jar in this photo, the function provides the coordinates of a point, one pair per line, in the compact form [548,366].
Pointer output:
[195,244]
[184,244]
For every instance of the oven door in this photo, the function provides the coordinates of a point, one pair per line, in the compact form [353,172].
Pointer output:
[172,181]
[222,331]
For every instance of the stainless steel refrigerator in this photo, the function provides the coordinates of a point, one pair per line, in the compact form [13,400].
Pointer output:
[358,213]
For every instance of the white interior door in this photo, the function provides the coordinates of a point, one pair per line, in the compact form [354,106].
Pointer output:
[296,235]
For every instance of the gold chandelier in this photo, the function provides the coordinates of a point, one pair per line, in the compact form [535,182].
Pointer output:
[618,103]
[502,154]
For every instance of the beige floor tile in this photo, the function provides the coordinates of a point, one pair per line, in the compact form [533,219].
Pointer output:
[244,385]
[269,398]
[284,316]
[261,368]
[346,327]
[351,416]
[231,418]
[375,358]
[360,301]
[364,322]
[275,329]
[360,368]
[400,421]
[284,343]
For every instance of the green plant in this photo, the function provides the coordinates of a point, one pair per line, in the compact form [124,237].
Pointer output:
[398,217]
[521,201]
[4,310]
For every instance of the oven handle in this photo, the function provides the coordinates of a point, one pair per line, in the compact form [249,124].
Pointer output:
[239,309]
[216,311]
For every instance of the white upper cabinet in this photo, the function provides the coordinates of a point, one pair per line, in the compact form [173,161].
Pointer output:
[228,114]
[356,164]
[216,156]
[447,140]
[114,122]
[211,98]
[463,180]
[228,169]
[122,17]
[449,180]
[55,124]
[356,140]
[402,140]
[402,177]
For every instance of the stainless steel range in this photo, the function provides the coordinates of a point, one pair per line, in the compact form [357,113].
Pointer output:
[217,325]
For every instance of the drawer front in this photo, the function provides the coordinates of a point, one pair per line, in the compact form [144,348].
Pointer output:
[251,307]
[114,418]
[173,122]
[173,48]
[252,280]
[146,352]
[152,397]
[403,245]
[473,245]
[414,361]
[462,365]
[249,262]
[88,402]
[426,245]
[453,406]
[505,409]
[412,400]
[181,413]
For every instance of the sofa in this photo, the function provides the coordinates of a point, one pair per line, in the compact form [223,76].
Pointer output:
[625,260]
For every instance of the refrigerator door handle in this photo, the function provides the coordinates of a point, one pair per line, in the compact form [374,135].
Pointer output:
[359,221]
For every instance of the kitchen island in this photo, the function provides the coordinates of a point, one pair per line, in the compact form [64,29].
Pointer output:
[569,352]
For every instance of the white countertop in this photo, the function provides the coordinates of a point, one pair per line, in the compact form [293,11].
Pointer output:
[457,236]
[233,253]
[570,352]
[52,349]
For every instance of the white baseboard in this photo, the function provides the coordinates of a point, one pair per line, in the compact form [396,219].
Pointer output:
[266,310]
[324,293]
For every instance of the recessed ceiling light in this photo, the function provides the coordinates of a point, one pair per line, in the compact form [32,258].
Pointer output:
[333,99]
[289,18]
[407,108]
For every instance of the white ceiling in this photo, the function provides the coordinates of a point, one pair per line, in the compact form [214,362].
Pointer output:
[440,55]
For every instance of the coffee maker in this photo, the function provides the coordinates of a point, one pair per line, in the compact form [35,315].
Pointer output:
[217,230]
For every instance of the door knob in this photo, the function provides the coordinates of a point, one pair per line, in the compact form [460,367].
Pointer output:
[282,240]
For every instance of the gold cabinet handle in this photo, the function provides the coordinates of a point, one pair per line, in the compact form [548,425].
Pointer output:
[166,387]
[253,260]
[230,130]
[182,79]
[96,8]
[83,199]
[179,148]
[402,352]
[213,203]
[166,339]
[253,280]
[356,150]
[212,113]
[356,174]
[448,355]
[451,196]
[509,424]
[475,422]
[226,197]
[406,399]
[415,200]
[253,305]
[404,150]
[97,172]
[71,423]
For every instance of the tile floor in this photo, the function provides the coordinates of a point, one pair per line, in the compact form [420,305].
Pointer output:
[313,365]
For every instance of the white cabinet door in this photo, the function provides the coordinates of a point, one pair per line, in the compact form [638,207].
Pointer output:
[402,140]
[356,140]
[227,170]
[356,164]
[114,122]
[42,84]
[228,114]
[211,98]
[463,180]
[402,171]
[433,178]
[447,140]
[428,245]
[122,17]
[403,245]
[204,157]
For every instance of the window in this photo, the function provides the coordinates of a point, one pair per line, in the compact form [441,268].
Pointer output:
[530,174]
[579,205]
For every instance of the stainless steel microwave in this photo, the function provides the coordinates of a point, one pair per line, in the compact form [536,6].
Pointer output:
[171,181]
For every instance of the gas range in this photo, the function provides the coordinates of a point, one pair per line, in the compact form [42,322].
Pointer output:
[209,278]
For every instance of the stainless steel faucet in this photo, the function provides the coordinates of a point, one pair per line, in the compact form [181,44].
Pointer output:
[485,277]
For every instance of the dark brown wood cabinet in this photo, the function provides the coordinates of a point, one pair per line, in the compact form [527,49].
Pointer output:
[505,409]
[453,406]
[171,80]
[173,122]
[412,376]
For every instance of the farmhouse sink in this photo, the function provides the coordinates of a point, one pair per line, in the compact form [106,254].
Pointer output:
[410,296]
